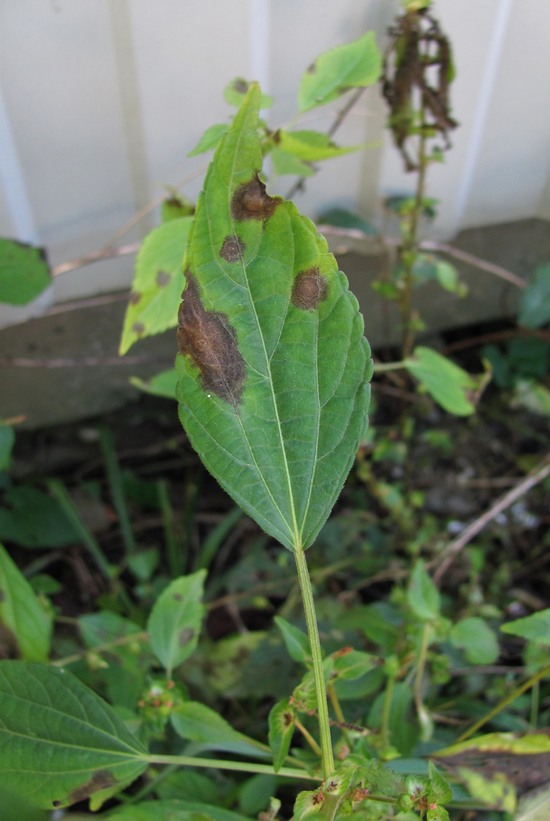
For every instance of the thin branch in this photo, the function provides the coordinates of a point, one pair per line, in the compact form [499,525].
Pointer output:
[95,256]
[378,242]
[449,554]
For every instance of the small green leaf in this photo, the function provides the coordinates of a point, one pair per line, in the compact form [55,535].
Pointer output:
[174,810]
[21,615]
[422,594]
[535,628]
[342,218]
[24,272]
[286,163]
[209,139]
[7,441]
[312,146]
[158,282]
[274,367]
[296,641]
[161,384]
[534,310]
[353,65]
[448,384]
[59,742]
[176,618]
[33,519]
[440,789]
[175,207]
[351,664]
[282,718]
[197,722]
[477,640]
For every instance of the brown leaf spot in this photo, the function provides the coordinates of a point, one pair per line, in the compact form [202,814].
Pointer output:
[240,85]
[312,68]
[185,636]
[138,328]
[162,278]
[288,719]
[135,297]
[100,780]
[251,202]
[178,597]
[232,249]
[309,289]
[210,341]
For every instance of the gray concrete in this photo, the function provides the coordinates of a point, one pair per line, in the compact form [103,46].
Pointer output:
[64,365]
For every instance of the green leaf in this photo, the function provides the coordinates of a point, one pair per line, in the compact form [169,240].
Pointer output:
[477,640]
[273,392]
[534,309]
[24,272]
[440,789]
[21,614]
[235,92]
[161,384]
[535,628]
[312,146]
[422,594]
[282,718]
[175,620]
[34,519]
[296,641]
[59,742]
[534,805]
[209,139]
[286,163]
[448,384]
[353,65]
[175,207]
[197,722]
[7,441]
[175,811]
[158,282]
[342,218]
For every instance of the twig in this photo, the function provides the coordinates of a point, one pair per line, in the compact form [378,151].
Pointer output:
[449,554]
[379,241]
[104,253]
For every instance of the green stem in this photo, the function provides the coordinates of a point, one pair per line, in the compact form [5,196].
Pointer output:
[235,766]
[505,702]
[317,661]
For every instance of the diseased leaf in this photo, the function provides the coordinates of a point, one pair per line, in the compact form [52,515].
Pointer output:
[448,384]
[157,283]
[282,719]
[274,367]
[175,620]
[286,163]
[59,742]
[235,92]
[22,617]
[353,65]
[24,272]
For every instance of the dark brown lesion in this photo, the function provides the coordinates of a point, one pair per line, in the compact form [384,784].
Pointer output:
[209,340]
[251,201]
[100,780]
[135,297]
[232,249]
[309,289]
[138,328]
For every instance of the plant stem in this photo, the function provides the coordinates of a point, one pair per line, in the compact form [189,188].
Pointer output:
[534,679]
[235,766]
[317,661]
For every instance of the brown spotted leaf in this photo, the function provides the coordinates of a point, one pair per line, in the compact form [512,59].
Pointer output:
[274,365]
[157,283]
[59,742]
[175,621]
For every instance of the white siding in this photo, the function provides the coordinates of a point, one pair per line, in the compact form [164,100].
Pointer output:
[100,101]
